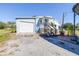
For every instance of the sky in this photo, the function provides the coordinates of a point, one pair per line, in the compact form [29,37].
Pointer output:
[9,11]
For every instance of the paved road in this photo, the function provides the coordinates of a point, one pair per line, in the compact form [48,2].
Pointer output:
[25,45]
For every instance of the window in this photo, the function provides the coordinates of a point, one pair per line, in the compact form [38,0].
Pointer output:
[46,22]
[40,21]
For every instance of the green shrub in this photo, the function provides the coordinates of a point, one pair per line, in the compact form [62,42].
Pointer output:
[69,28]
[13,30]
[2,25]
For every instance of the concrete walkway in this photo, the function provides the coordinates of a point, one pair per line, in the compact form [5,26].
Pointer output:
[26,45]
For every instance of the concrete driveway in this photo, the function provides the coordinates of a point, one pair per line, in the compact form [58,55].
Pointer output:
[32,45]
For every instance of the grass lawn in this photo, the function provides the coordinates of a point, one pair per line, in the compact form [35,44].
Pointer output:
[4,35]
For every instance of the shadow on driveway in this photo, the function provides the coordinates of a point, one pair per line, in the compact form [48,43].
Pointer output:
[61,43]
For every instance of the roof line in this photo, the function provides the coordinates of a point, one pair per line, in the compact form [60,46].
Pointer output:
[25,18]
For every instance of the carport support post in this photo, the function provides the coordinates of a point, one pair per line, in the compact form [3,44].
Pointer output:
[74,24]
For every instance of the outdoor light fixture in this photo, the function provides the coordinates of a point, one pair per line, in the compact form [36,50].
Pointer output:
[76,8]
[76,12]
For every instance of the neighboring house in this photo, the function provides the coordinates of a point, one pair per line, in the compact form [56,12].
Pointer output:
[40,24]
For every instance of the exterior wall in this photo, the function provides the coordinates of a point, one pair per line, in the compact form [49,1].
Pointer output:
[40,23]
[25,25]
[37,24]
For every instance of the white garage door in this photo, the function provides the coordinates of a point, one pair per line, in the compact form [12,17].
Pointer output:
[26,27]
